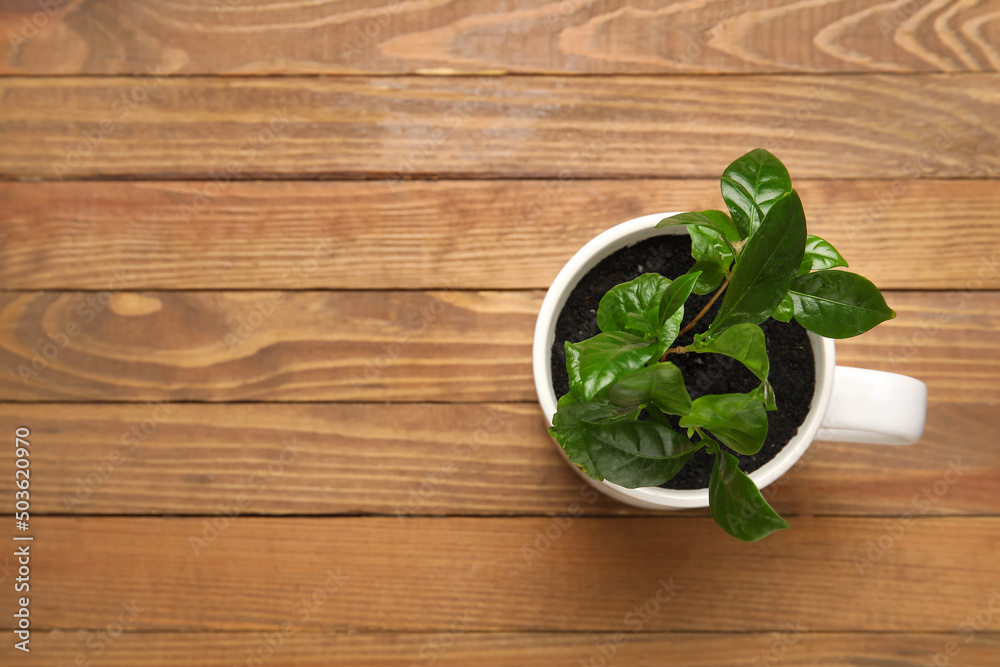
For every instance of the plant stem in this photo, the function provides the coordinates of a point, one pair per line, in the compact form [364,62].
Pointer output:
[704,310]
[696,318]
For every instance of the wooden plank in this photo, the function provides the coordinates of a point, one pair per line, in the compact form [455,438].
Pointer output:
[845,126]
[425,459]
[377,574]
[451,346]
[459,648]
[580,37]
[458,234]
[225,346]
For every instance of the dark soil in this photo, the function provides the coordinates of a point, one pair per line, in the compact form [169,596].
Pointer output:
[792,368]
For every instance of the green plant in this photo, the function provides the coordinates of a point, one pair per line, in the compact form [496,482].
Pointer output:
[761,261]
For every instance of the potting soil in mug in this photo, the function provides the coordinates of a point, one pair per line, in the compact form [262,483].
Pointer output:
[793,373]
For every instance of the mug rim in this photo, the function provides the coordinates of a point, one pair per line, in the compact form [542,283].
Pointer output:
[620,236]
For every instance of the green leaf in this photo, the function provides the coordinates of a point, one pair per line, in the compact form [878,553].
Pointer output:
[736,503]
[785,310]
[765,394]
[669,330]
[660,383]
[838,304]
[709,280]
[820,254]
[745,343]
[751,185]
[738,420]
[711,218]
[636,453]
[710,248]
[676,294]
[639,324]
[640,296]
[572,411]
[766,266]
[642,438]
[573,364]
[607,357]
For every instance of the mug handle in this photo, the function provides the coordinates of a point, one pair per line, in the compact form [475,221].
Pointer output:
[874,407]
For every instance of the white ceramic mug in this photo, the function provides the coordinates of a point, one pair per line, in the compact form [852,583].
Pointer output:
[848,405]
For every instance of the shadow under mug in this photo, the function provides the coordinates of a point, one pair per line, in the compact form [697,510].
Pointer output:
[849,404]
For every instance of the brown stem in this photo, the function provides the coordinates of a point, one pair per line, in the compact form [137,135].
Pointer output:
[697,317]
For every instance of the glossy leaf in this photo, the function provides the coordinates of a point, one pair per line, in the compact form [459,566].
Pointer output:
[785,310]
[709,280]
[745,343]
[736,503]
[713,219]
[676,294]
[751,185]
[838,304]
[607,357]
[573,411]
[642,438]
[766,266]
[636,453]
[660,383]
[668,331]
[714,243]
[738,420]
[820,254]
[709,248]
[640,296]
[573,364]
[765,394]
[639,324]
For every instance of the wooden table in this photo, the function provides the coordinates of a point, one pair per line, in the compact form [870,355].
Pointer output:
[269,275]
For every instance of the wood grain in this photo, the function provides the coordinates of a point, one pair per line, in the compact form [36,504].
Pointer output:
[420,235]
[579,37]
[420,574]
[459,648]
[226,346]
[451,346]
[219,129]
[426,459]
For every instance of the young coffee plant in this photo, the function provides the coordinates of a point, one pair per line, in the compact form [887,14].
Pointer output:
[759,259]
